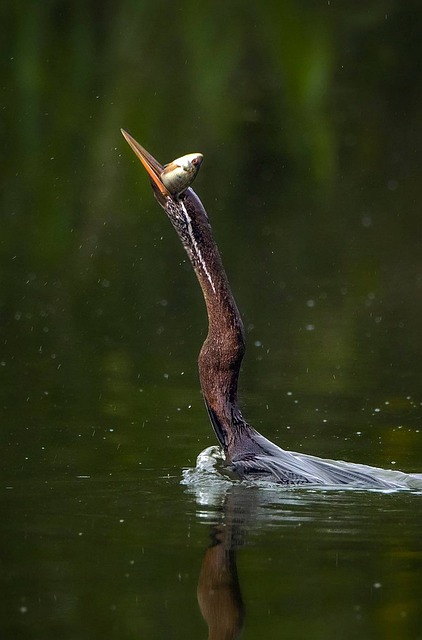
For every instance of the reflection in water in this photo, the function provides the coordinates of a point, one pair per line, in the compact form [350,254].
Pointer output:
[322,531]
[219,595]
[219,592]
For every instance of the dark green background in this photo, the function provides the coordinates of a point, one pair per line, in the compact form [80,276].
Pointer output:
[309,116]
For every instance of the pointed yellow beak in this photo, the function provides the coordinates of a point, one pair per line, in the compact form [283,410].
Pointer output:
[153,168]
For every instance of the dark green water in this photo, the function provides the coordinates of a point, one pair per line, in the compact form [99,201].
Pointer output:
[309,117]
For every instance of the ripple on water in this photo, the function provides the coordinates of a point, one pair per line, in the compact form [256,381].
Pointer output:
[345,506]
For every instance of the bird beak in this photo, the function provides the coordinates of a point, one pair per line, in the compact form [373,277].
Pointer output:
[153,168]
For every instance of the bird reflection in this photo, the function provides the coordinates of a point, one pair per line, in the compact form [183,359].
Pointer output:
[219,594]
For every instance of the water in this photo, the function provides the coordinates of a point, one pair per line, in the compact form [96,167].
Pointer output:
[311,181]
[126,555]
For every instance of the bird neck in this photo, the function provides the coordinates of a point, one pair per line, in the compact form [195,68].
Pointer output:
[222,352]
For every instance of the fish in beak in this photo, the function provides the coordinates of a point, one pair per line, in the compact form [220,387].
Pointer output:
[172,179]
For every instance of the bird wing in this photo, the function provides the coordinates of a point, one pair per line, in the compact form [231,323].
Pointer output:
[270,462]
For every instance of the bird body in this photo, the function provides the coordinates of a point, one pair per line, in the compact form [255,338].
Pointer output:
[248,453]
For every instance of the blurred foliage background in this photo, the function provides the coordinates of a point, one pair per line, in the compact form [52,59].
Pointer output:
[309,116]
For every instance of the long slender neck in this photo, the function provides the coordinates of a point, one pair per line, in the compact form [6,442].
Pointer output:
[222,352]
